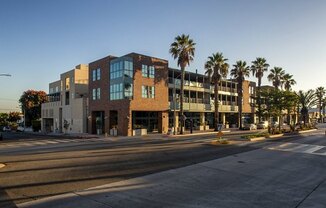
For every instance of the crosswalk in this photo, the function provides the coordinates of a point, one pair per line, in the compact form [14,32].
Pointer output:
[43,142]
[299,148]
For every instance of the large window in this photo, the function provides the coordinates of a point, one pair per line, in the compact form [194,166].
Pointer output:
[148,71]
[121,76]
[67,80]
[116,91]
[122,67]
[148,91]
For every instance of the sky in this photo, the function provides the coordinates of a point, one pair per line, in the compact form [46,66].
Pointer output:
[40,39]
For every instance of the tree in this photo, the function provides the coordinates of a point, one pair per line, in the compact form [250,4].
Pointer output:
[276,77]
[4,119]
[14,116]
[276,101]
[306,101]
[288,82]
[183,49]
[30,102]
[320,93]
[216,69]
[239,72]
[258,67]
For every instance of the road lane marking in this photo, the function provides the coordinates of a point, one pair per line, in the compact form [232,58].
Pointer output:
[298,148]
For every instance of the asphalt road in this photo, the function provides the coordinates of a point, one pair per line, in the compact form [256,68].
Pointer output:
[42,167]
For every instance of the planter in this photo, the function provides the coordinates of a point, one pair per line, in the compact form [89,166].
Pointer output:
[139,132]
[206,127]
[201,128]
[227,126]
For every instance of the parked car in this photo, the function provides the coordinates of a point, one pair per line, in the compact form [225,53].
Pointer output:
[20,128]
[249,126]
[6,128]
[262,125]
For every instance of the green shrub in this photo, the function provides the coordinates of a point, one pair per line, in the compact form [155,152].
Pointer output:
[250,136]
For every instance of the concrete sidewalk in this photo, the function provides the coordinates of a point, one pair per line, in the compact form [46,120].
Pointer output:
[258,178]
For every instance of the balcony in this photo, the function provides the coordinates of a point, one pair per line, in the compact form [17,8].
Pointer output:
[202,107]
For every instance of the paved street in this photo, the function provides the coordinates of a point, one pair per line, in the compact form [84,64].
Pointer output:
[164,172]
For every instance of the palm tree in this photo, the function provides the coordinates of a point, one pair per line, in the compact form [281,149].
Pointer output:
[259,66]
[323,106]
[183,49]
[276,76]
[320,93]
[216,69]
[239,72]
[306,101]
[288,82]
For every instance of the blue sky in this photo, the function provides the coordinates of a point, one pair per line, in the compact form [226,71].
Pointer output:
[41,39]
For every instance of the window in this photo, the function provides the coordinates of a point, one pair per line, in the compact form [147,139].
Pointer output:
[116,91]
[94,94]
[116,70]
[56,89]
[93,75]
[148,91]
[151,72]
[67,83]
[51,90]
[98,93]
[98,74]
[148,71]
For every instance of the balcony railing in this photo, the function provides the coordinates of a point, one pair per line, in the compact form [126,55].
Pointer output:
[203,107]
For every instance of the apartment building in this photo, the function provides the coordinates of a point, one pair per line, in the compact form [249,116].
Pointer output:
[135,91]
[128,93]
[66,109]
[199,104]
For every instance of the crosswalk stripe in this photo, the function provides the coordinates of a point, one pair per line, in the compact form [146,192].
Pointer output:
[299,148]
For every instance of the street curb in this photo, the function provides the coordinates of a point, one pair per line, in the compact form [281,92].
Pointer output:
[257,139]
[197,134]
[2,165]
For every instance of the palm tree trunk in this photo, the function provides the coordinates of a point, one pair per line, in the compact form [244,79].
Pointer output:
[181,99]
[216,113]
[259,99]
[320,116]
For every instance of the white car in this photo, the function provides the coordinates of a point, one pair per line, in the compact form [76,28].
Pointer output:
[20,128]
[262,125]
[249,126]
[6,128]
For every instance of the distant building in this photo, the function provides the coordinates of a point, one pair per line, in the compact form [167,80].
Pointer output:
[66,109]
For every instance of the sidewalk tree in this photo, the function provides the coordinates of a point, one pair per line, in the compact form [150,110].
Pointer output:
[183,49]
[258,67]
[216,69]
[276,77]
[306,101]
[30,102]
[239,72]
[4,119]
[14,116]
[277,101]
[288,82]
